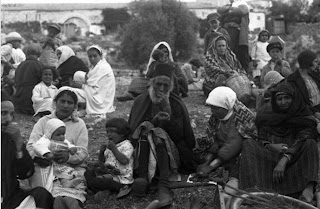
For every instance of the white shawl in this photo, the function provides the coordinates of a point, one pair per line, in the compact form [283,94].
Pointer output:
[156,47]
[100,89]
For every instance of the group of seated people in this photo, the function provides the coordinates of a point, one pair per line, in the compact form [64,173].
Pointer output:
[273,149]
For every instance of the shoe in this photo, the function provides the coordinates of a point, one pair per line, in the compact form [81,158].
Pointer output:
[124,191]
[99,196]
[153,205]
[139,187]
[164,197]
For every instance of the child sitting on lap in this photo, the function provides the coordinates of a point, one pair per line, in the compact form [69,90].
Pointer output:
[54,140]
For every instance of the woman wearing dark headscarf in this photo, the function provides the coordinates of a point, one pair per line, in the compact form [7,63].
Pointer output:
[28,74]
[68,64]
[285,158]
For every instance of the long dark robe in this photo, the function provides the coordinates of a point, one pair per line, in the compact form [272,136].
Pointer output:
[297,81]
[28,74]
[11,169]
[296,128]
[69,67]
[178,128]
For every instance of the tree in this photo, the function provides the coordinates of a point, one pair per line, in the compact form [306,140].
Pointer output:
[293,11]
[314,11]
[155,21]
[113,18]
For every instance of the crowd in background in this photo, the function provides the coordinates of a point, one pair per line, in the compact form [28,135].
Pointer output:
[263,131]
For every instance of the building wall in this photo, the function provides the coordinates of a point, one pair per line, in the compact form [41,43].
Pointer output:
[94,16]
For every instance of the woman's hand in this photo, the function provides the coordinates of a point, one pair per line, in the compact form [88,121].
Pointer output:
[277,148]
[278,172]
[61,156]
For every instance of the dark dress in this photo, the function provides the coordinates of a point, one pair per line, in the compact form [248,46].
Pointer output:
[68,68]
[299,85]
[13,168]
[28,74]
[296,128]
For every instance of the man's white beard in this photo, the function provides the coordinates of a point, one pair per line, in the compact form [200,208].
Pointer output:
[155,100]
[158,104]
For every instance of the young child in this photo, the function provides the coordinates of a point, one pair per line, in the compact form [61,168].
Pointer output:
[277,63]
[214,31]
[192,72]
[116,155]
[43,93]
[54,140]
[159,56]
[259,54]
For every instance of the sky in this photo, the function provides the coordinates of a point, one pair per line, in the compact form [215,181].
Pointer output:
[64,1]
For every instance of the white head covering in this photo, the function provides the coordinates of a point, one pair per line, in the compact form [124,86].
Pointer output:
[272,77]
[97,47]
[156,47]
[80,77]
[66,53]
[74,115]
[237,3]
[223,97]
[13,36]
[6,52]
[52,125]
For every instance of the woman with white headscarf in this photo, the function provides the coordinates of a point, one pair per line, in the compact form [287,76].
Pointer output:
[231,122]
[180,82]
[97,87]
[68,64]
[65,105]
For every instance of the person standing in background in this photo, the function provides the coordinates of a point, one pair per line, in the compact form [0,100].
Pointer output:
[235,18]
[49,45]
[214,31]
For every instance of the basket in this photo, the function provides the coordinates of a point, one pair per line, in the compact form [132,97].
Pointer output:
[236,202]
[241,85]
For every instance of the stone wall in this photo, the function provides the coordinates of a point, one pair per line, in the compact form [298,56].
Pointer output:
[90,16]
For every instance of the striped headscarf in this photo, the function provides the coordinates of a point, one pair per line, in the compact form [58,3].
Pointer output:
[216,65]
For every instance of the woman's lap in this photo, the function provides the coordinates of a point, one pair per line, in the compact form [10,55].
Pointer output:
[257,165]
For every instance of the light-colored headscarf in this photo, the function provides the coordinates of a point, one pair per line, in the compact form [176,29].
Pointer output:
[272,77]
[156,47]
[237,3]
[97,47]
[52,125]
[80,77]
[74,115]
[223,97]
[6,52]
[66,53]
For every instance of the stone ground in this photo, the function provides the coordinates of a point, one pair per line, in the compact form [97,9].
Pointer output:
[181,197]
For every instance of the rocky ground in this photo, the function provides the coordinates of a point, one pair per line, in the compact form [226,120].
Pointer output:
[182,197]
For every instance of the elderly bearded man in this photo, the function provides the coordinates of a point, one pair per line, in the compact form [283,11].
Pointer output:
[163,132]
